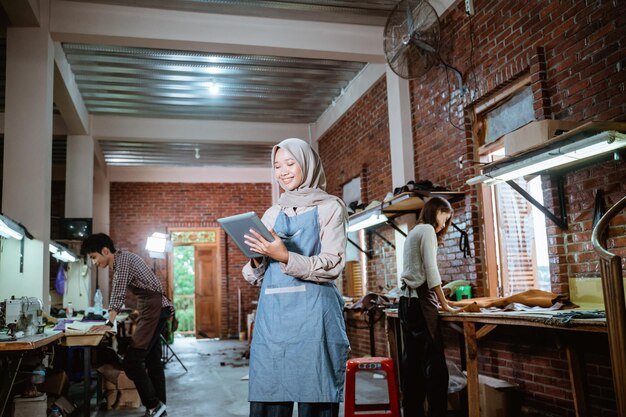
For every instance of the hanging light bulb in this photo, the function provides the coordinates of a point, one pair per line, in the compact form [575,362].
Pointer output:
[197,153]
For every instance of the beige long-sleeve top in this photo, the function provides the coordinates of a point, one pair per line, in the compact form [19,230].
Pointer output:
[420,260]
[326,266]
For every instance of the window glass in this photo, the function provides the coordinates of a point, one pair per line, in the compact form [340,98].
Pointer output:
[354,275]
[515,112]
[521,243]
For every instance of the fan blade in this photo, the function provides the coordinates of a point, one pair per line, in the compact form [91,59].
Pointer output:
[397,53]
[409,17]
[423,45]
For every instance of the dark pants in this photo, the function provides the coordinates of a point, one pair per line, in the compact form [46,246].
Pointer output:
[424,370]
[145,369]
[285,409]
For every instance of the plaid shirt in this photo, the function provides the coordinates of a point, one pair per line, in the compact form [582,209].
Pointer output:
[129,271]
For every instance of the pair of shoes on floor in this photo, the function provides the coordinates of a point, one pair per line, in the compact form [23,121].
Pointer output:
[158,411]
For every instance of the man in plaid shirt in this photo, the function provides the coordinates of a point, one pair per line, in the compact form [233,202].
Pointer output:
[130,272]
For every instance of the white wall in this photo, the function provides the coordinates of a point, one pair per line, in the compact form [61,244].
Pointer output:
[77,286]
[26,283]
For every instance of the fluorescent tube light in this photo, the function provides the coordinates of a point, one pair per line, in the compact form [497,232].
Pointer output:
[8,228]
[67,256]
[367,219]
[61,253]
[566,154]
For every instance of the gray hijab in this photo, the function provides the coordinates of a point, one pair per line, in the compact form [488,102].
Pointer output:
[312,190]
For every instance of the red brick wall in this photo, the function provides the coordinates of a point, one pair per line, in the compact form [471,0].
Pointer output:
[358,145]
[581,77]
[139,209]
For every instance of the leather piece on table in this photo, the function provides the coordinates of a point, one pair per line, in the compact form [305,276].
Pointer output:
[531,298]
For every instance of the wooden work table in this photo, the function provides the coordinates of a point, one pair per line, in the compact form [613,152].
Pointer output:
[31,342]
[475,326]
[15,351]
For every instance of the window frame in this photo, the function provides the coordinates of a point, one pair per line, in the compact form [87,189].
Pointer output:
[490,242]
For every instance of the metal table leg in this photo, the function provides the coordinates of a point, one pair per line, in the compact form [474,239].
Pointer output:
[87,381]
[5,392]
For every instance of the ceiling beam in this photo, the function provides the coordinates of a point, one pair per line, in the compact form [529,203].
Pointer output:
[22,13]
[67,97]
[58,125]
[191,174]
[119,128]
[92,23]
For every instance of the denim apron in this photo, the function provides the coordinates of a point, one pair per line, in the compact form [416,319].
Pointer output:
[299,347]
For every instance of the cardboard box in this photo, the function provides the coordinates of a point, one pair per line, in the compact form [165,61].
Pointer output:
[56,383]
[111,398]
[120,392]
[115,378]
[496,397]
[124,382]
[66,405]
[128,399]
[533,134]
[30,406]
[122,399]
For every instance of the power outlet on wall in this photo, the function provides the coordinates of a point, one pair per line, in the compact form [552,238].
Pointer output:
[469,7]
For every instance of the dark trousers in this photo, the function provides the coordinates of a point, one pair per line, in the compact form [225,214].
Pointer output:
[145,369]
[285,409]
[424,370]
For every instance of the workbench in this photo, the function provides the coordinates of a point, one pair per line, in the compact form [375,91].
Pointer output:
[474,326]
[16,350]
[85,342]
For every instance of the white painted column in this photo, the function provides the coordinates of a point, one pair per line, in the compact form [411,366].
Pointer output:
[79,176]
[101,200]
[28,147]
[401,148]
[101,220]
[400,130]
[79,203]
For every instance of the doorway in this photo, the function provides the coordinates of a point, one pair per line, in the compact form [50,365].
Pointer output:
[183,266]
[196,281]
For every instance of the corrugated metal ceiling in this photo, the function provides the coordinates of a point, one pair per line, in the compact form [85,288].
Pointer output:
[176,84]
[186,154]
[129,81]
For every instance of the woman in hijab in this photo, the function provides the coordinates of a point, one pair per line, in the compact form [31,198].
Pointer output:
[300,347]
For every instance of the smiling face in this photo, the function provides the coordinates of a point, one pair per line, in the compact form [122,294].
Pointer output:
[286,170]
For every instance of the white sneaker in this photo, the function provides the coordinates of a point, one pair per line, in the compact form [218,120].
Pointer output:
[158,411]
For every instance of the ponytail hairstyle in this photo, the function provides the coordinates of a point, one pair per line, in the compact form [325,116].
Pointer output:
[428,215]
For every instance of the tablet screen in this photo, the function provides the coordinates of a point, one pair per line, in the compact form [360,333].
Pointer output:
[239,225]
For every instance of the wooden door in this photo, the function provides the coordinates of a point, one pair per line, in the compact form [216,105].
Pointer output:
[207,295]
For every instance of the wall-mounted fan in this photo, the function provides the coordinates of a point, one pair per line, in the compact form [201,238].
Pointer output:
[412,38]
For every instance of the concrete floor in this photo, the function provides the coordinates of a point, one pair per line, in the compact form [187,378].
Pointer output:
[213,386]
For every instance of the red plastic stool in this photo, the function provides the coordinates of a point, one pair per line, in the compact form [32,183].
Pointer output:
[376,364]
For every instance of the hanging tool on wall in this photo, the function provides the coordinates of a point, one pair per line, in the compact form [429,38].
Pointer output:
[463,241]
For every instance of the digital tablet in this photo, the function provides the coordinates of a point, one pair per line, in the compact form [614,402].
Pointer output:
[239,225]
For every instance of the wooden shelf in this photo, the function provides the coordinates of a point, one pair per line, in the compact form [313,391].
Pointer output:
[404,203]
[413,201]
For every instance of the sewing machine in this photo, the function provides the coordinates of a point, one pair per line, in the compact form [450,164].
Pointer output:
[22,314]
